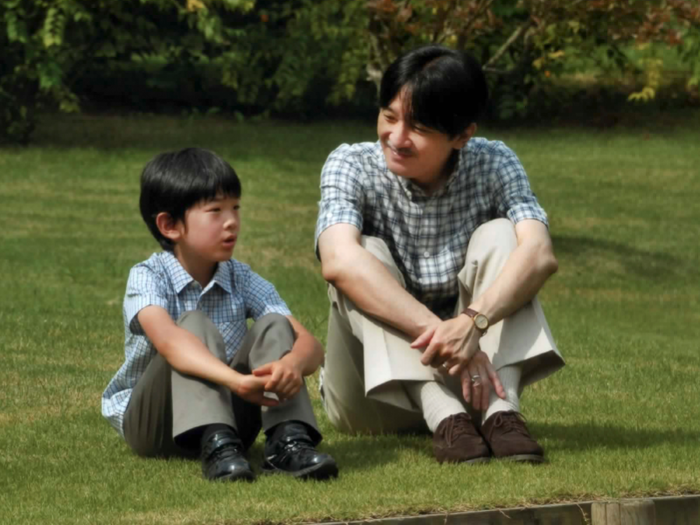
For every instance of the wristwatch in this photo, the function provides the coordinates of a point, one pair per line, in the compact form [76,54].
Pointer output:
[480,320]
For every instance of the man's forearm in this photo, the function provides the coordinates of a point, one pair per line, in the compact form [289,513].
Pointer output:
[523,275]
[370,286]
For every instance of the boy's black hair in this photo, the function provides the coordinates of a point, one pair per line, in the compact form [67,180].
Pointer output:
[175,181]
[445,89]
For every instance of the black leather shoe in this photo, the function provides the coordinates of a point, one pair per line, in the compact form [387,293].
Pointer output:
[222,458]
[290,450]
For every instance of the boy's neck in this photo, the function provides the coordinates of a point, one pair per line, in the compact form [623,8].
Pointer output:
[201,271]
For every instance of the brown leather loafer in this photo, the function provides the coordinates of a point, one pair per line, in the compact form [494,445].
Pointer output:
[509,438]
[456,440]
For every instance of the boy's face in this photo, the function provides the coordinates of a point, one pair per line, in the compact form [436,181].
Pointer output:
[210,230]
[411,150]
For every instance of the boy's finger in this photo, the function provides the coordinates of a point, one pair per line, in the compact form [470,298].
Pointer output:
[263,370]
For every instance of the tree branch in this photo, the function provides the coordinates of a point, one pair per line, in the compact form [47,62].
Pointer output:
[516,34]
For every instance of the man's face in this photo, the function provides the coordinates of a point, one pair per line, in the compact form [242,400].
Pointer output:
[411,150]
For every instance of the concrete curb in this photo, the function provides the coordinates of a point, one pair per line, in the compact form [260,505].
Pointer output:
[675,510]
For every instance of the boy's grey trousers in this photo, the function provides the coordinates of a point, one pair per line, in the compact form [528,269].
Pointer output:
[166,405]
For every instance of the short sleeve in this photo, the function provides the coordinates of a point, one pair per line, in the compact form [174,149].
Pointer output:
[260,297]
[144,288]
[514,197]
[342,194]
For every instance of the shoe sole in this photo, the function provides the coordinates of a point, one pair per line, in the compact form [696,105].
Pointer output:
[244,476]
[319,472]
[472,461]
[524,458]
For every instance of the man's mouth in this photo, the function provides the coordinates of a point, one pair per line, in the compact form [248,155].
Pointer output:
[399,152]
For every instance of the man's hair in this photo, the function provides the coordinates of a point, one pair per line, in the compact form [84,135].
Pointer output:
[443,89]
[175,181]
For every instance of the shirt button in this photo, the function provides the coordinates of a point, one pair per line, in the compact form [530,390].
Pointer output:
[426,254]
[329,215]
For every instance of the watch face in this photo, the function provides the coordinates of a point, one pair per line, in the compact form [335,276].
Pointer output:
[481,322]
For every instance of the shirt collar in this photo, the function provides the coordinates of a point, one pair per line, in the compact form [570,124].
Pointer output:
[181,279]
[222,277]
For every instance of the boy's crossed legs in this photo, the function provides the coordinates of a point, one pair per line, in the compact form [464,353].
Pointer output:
[175,414]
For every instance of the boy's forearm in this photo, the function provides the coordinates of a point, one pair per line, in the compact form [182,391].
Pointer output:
[306,354]
[186,354]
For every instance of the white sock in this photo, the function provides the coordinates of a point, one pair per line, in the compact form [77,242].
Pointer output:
[435,400]
[510,379]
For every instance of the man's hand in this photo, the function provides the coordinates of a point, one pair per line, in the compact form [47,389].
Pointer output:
[450,344]
[477,381]
[252,389]
[282,377]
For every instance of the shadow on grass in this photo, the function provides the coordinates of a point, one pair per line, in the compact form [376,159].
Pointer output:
[642,263]
[582,436]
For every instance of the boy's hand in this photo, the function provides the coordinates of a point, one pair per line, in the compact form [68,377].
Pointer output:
[252,389]
[282,377]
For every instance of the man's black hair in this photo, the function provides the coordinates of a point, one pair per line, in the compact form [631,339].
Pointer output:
[445,89]
[175,181]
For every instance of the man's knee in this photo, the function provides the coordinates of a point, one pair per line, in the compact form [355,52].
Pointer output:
[380,250]
[198,324]
[497,235]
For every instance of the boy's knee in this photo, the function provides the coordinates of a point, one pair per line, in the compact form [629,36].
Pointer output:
[198,324]
[272,324]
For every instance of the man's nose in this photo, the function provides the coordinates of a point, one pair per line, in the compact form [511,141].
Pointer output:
[399,136]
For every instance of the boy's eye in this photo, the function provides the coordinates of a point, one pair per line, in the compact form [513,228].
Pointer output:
[237,207]
[216,210]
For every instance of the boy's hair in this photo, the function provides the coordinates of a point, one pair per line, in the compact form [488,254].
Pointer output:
[445,89]
[175,181]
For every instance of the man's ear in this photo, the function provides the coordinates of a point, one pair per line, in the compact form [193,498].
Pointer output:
[169,228]
[463,138]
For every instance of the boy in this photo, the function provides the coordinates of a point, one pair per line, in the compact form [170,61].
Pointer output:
[195,378]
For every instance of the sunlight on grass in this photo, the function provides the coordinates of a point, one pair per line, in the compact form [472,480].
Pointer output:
[622,419]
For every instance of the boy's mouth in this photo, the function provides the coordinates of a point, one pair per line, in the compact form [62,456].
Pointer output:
[229,241]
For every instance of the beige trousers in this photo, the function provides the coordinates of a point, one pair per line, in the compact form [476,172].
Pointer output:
[367,361]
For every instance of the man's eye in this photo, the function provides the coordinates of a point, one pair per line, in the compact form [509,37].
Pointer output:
[389,118]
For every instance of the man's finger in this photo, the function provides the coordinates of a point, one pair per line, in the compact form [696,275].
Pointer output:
[495,381]
[429,354]
[485,388]
[423,339]
[466,385]
[476,390]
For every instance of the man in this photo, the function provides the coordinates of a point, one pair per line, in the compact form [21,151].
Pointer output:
[434,247]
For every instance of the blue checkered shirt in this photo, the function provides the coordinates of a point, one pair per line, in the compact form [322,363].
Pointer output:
[235,294]
[427,235]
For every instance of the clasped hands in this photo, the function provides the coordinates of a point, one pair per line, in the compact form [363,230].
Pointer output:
[282,378]
[453,346]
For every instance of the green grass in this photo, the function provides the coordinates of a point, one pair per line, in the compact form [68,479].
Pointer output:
[622,419]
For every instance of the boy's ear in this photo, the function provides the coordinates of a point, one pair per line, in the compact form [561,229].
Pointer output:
[169,228]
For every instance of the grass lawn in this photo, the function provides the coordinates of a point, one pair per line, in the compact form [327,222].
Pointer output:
[622,419]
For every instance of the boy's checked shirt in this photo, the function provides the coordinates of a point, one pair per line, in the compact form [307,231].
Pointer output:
[427,235]
[235,294]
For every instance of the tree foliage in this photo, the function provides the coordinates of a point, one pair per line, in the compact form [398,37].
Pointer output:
[282,54]
[47,43]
